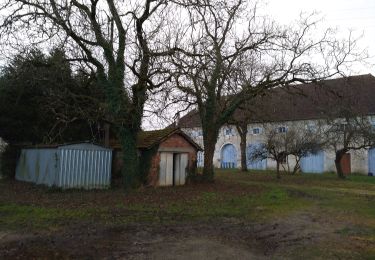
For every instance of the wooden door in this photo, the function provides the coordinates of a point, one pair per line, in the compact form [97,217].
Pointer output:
[180,166]
[346,164]
[176,169]
[228,156]
[313,163]
[166,169]
[183,168]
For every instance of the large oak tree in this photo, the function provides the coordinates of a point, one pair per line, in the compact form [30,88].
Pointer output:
[121,41]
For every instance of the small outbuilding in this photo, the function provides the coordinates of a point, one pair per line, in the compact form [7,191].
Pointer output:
[82,165]
[172,154]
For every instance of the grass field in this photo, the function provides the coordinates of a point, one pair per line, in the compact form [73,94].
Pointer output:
[240,215]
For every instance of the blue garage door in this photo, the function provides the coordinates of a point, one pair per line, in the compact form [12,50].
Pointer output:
[313,163]
[228,156]
[255,164]
[371,161]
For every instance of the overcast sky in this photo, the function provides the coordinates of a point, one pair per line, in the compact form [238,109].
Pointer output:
[358,15]
[345,15]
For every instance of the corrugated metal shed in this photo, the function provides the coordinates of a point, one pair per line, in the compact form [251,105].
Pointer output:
[81,165]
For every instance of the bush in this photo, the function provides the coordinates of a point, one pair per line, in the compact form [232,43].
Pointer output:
[9,160]
[193,174]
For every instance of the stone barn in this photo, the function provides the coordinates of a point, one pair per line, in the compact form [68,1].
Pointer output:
[168,155]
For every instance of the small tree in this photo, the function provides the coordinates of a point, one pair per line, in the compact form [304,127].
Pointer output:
[351,132]
[277,146]
[347,126]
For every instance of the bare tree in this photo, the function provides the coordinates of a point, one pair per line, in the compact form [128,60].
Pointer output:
[122,42]
[346,125]
[242,131]
[241,118]
[298,142]
[231,55]
[348,132]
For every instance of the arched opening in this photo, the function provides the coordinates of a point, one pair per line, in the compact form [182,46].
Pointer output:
[228,156]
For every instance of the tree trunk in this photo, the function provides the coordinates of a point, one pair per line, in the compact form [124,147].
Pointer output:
[127,118]
[208,169]
[297,166]
[339,156]
[130,170]
[209,142]
[242,130]
[278,176]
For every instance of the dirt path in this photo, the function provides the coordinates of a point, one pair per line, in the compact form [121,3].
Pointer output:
[227,239]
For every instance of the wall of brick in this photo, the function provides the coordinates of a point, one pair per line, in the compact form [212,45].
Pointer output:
[175,141]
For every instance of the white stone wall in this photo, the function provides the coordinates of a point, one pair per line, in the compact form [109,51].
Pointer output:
[359,159]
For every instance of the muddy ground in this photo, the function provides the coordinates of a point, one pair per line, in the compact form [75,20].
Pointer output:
[226,239]
[40,223]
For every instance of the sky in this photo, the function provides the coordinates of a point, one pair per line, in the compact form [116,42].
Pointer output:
[345,15]
[357,16]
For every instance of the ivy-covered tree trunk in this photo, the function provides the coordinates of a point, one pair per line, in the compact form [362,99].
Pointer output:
[126,117]
[130,170]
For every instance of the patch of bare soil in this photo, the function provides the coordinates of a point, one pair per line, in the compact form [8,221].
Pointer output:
[226,239]
[38,195]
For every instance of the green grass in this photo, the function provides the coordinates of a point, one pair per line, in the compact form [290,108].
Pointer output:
[253,196]
[15,216]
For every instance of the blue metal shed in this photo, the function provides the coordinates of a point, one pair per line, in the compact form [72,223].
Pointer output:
[82,165]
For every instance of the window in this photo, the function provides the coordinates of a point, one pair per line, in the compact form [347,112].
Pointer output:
[311,127]
[342,127]
[282,129]
[196,133]
[256,131]
[228,131]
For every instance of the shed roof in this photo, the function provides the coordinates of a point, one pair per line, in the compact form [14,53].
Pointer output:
[303,101]
[86,145]
[148,139]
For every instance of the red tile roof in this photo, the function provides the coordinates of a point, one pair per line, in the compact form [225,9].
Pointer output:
[148,139]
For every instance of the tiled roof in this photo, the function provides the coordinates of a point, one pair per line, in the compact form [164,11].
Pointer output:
[148,139]
[304,101]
